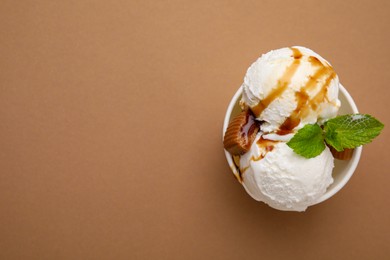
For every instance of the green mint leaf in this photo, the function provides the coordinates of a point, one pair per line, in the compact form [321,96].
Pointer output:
[308,141]
[351,131]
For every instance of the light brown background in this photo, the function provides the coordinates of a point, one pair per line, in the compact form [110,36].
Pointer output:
[110,129]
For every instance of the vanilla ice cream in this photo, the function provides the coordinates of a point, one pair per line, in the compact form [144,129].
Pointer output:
[273,173]
[290,87]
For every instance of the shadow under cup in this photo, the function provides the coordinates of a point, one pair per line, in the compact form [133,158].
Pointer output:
[342,171]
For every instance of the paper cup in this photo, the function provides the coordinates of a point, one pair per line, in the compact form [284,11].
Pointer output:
[342,171]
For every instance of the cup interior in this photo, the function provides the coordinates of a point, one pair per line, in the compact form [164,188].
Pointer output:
[342,171]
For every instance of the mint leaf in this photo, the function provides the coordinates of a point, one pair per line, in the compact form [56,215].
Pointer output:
[308,141]
[351,131]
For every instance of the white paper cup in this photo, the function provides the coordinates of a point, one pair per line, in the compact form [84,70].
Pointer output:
[342,170]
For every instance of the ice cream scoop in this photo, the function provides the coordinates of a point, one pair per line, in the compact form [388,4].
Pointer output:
[290,87]
[271,172]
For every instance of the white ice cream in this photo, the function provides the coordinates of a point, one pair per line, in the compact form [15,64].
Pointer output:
[287,89]
[283,179]
[308,72]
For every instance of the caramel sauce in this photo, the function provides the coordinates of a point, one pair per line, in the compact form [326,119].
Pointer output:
[234,170]
[296,53]
[242,171]
[255,159]
[281,86]
[313,79]
[321,95]
[295,117]
[304,104]
[236,161]
[267,145]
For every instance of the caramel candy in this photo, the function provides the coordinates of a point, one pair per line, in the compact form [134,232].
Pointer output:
[241,133]
[346,154]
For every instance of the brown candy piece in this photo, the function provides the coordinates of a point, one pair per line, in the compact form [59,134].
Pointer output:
[346,154]
[241,133]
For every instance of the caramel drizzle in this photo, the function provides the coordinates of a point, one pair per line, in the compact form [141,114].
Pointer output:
[281,86]
[255,159]
[267,145]
[297,54]
[304,104]
[236,161]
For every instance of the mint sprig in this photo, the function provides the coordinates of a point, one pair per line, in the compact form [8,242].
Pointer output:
[346,131]
[351,131]
[308,141]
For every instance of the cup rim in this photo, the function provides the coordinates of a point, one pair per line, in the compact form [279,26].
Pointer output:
[353,161]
